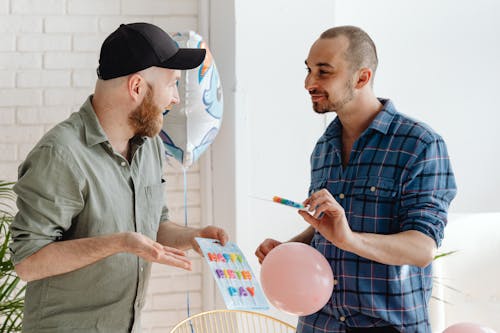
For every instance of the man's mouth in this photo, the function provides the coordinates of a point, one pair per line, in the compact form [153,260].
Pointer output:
[317,97]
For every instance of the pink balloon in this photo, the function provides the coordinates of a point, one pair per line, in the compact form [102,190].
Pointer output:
[296,278]
[468,328]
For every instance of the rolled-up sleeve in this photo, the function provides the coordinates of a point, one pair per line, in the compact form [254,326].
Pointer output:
[427,191]
[49,195]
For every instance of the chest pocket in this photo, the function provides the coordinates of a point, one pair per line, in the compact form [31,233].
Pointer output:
[152,207]
[374,205]
[374,187]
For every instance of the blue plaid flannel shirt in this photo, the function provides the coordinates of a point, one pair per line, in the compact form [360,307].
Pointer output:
[398,178]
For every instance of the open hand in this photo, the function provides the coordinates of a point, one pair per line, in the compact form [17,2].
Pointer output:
[152,251]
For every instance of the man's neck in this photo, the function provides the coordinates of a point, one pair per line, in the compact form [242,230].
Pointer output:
[358,116]
[114,122]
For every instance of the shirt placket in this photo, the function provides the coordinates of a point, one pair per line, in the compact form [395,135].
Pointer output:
[141,264]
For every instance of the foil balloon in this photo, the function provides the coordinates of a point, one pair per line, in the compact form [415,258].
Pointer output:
[191,126]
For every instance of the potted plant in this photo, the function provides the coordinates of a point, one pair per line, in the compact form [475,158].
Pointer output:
[11,288]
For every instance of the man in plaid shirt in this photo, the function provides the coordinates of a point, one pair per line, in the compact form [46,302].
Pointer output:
[381,185]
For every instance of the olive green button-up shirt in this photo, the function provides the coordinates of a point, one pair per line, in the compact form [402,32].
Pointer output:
[74,185]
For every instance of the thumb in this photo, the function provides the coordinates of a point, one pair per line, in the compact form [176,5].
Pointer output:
[309,218]
[197,248]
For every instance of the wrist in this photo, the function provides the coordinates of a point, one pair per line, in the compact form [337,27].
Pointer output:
[192,234]
[124,241]
[352,242]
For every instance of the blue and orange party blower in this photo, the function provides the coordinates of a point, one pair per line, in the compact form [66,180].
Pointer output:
[288,202]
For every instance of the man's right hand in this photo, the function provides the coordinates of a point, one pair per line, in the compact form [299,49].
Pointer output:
[265,247]
[152,251]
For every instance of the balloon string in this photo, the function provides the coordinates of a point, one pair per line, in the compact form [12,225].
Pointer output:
[186,224]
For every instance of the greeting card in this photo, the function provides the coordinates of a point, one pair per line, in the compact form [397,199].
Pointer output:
[237,283]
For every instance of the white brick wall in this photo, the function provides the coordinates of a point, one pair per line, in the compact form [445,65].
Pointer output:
[4,7]
[36,7]
[48,55]
[7,78]
[43,42]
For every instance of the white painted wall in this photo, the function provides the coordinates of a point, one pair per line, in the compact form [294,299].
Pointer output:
[439,63]
[269,129]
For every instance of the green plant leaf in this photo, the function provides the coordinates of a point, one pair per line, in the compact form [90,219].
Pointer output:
[11,288]
[441,255]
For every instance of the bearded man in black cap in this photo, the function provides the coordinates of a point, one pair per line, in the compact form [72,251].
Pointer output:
[91,215]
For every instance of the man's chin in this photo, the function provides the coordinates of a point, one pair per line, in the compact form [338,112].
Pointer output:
[320,109]
[154,132]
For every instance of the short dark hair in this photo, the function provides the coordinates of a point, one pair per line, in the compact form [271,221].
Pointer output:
[361,51]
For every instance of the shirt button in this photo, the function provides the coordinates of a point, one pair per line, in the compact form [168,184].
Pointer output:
[373,188]
[341,195]
[342,318]
[142,269]
[335,282]
[123,163]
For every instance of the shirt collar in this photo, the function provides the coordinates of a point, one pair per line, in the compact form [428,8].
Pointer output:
[381,123]
[94,133]
[383,120]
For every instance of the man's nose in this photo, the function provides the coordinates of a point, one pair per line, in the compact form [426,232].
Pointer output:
[176,99]
[309,83]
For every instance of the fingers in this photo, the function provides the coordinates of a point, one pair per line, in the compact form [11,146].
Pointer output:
[222,236]
[173,257]
[197,248]
[309,218]
[318,198]
[260,255]
[173,250]
[326,207]
[176,260]
[265,247]
[215,233]
[322,202]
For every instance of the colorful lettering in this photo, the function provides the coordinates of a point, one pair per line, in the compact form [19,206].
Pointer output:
[246,275]
[251,290]
[243,292]
[232,291]
[219,272]
[220,258]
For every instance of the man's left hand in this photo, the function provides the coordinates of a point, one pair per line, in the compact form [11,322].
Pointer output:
[210,232]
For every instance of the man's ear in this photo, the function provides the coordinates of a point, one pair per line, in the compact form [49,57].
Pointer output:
[135,85]
[363,77]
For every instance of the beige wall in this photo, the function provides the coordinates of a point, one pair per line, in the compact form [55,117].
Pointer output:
[48,55]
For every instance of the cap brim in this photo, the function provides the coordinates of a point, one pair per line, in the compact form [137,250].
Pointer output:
[185,59]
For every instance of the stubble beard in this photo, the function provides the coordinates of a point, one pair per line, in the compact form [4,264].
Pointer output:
[335,106]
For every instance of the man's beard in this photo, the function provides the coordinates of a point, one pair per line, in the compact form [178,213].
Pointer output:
[147,118]
[330,106]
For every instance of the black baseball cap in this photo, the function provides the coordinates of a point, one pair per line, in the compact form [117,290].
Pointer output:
[137,46]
